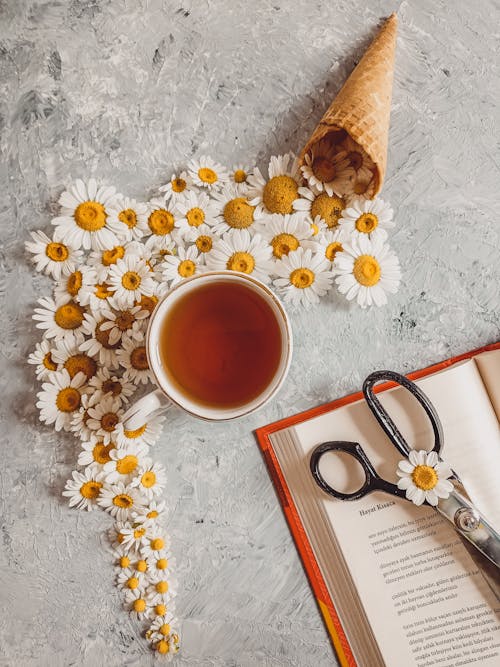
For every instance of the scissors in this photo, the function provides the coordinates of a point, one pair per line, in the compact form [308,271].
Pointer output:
[457,508]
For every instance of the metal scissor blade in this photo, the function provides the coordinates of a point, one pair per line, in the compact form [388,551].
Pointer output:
[490,572]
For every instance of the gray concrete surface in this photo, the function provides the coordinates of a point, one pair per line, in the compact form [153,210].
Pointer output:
[127,89]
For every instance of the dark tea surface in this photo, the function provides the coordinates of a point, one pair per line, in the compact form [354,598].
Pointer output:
[221,344]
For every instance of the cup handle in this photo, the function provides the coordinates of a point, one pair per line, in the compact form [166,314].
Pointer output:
[138,413]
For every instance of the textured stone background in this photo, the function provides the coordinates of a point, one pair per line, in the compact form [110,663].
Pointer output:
[127,89]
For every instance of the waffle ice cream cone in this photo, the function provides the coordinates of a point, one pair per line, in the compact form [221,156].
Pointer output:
[362,107]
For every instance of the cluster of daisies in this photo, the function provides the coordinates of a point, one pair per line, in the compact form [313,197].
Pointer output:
[112,258]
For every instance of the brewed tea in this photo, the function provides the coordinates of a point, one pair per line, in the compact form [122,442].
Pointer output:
[221,344]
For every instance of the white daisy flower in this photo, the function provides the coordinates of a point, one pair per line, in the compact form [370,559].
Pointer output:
[148,303]
[185,264]
[60,321]
[285,233]
[168,646]
[304,276]
[68,287]
[118,387]
[205,173]
[162,226]
[95,455]
[84,220]
[238,251]
[42,357]
[130,579]
[68,355]
[124,463]
[60,398]
[83,490]
[128,218]
[161,628]
[160,563]
[161,591]
[133,358]
[51,257]
[121,558]
[330,243]
[360,188]
[277,194]
[239,174]
[424,477]
[148,433]
[203,238]
[79,421]
[119,500]
[116,539]
[133,539]
[358,159]
[176,188]
[130,278]
[366,270]
[155,547]
[367,217]
[194,210]
[327,168]
[102,260]
[104,418]
[97,295]
[317,204]
[98,344]
[234,211]
[150,514]
[129,321]
[150,479]
[136,604]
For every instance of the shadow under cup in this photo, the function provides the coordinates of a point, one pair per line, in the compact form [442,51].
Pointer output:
[219,345]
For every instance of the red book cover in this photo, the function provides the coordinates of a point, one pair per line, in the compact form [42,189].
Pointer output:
[325,603]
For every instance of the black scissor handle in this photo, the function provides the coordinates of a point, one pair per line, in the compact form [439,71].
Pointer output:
[385,421]
[372,481]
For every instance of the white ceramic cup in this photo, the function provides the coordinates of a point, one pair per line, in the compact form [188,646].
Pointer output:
[167,392]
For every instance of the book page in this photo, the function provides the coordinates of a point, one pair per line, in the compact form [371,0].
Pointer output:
[424,598]
[488,364]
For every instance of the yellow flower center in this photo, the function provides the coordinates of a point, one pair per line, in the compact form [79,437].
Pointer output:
[238,213]
[195,216]
[241,261]
[279,194]
[90,216]
[80,363]
[127,464]
[128,217]
[302,278]
[328,208]
[283,244]
[123,500]
[162,587]
[112,387]
[366,270]
[102,291]
[332,249]
[74,283]
[141,566]
[240,176]
[360,187]
[112,256]
[132,583]
[69,316]
[109,420]
[424,477]
[68,399]
[48,363]
[124,562]
[157,544]
[103,337]
[139,359]
[162,564]
[139,605]
[160,609]
[147,303]
[148,479]
[120,537]
[131,280]
[186,268]
[324,169]
[366,223]
[57,252]
[207,175]
[90,490]
[136,433]
[100,453]
[152,515]
[164,629]
[178,184]
[162,647]
[161,222]
[355,159]
[204,243]
[314,229]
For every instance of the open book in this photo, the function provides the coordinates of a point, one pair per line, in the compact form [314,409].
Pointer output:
[394,582]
